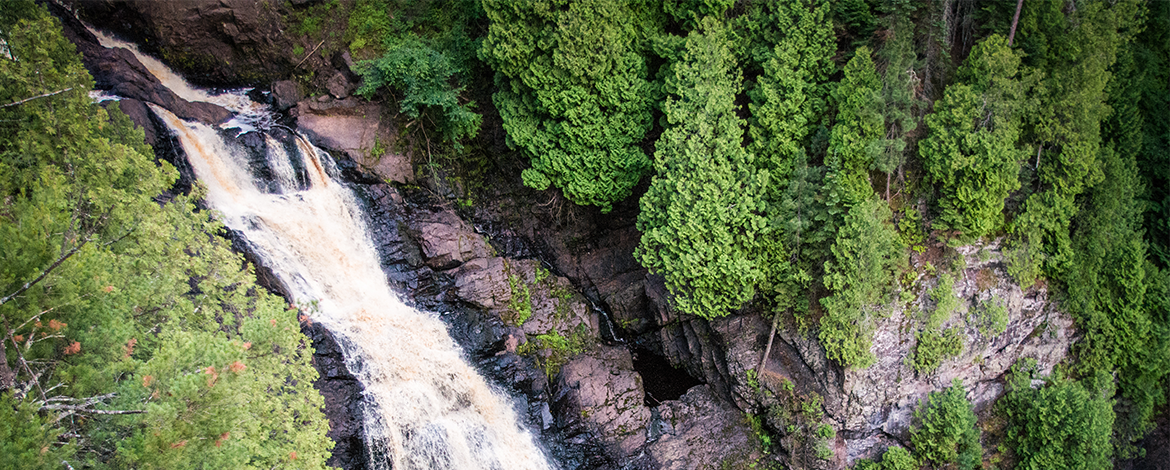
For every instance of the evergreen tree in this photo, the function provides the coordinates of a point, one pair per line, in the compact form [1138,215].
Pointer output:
[1072,52]
[573,93]
[971,152]
[899,97]
[946,431]
[1064,424]
[127,323]
[701,217]
[855,138]
[793,44]
[866,257]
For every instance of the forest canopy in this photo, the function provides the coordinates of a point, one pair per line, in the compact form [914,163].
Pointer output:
[132,336]
[803,159]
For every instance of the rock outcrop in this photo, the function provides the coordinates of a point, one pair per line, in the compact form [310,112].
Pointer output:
[222,42]
[119,72]
[362,131]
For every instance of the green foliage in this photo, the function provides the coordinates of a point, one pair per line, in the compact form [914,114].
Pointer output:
[520,303]
[855,138]
[573,94]
[991,317]
[910,230]
[1063,424]
[423,75]
[856,17]
[792,45]
[425,54]
[899,97]
[691,12]
[866,259]
[946,431]
[1071,53]
[1150,82]
[945,302]
[934,347]
[1113,291]
[790,94]
[895,458]
[111,294]
[971,152]
[702,214]
[556,349]
[28,440]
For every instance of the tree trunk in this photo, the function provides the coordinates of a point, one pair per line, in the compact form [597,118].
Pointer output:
[1015,21]
[768,349]
[7,377]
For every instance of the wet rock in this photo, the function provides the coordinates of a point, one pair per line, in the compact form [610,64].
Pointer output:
[119,72]
[699,430]
[343,402]
[483,283]
[286,94]
[215,42]
[359,131]
[446,240]
[600,392]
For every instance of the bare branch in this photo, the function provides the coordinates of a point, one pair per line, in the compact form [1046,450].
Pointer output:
[15,103]
[91,411]
[44,273]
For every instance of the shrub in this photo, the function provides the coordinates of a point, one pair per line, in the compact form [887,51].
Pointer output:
[1064,424]
[946,431]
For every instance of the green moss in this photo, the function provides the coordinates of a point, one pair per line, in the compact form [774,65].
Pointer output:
[557,349]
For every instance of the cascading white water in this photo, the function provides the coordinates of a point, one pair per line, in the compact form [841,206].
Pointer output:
[426,407]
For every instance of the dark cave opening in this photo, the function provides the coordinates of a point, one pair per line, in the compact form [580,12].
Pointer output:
[661,380]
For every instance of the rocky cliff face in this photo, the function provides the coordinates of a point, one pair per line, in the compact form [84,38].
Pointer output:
[519,269]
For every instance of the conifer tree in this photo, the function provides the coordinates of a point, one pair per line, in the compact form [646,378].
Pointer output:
[866,257]
[702,215]
[127,323]
[573,93]
[855,138]
[972,151]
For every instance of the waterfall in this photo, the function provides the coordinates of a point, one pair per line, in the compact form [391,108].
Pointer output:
[425,406]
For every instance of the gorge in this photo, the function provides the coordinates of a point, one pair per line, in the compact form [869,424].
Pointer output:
[463,319]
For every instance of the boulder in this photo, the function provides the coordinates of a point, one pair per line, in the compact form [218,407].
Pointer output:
[339,86]
[483,283]
[601,392]
[358,130]
[286,94]
[446,241]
